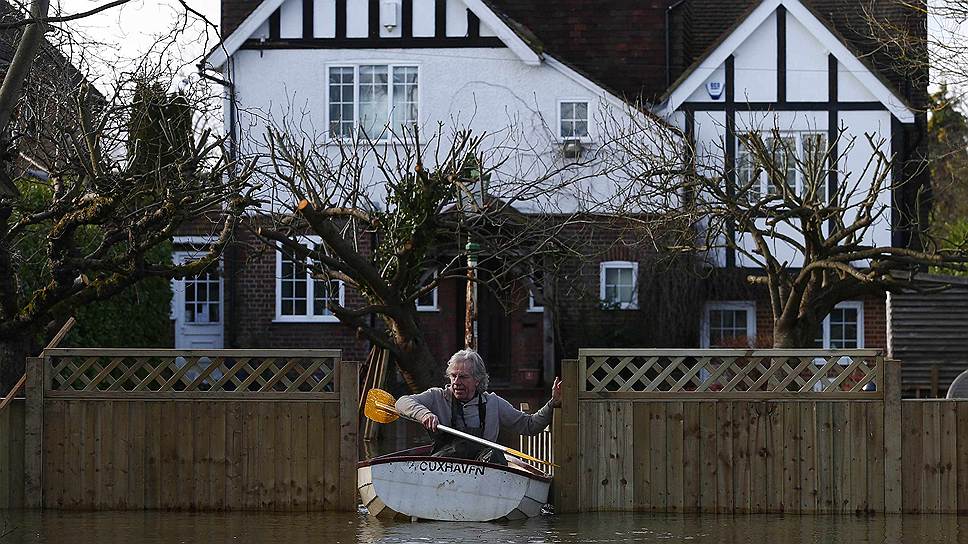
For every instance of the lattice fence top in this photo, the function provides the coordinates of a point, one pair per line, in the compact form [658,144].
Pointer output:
[760,373]
[180,371]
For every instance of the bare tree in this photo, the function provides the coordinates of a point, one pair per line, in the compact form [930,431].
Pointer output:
[816,245]
[96,185]
[398,217]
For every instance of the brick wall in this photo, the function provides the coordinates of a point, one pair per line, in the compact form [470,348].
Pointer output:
[251,311]
[670,296]
[251,315]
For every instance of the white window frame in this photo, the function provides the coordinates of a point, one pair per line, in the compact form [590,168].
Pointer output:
[588,120]
[857,305]
[799,136]
[748,305]
[309,317]
[605,265]
[385,135]
[431,274]
[532,307]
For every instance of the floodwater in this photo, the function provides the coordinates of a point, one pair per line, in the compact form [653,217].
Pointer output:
[329,528]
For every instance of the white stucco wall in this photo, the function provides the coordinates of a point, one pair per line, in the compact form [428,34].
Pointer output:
[488,90]
[806,63]
[754,64]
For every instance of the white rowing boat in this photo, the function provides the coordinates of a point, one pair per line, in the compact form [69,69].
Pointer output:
[412,484]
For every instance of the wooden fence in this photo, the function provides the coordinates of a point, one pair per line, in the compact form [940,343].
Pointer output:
[729,431]
[172,429]
[935,452]
[12,455]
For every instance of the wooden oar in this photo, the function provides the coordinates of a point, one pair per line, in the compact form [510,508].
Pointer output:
[66,328]
[13,392]
[380,408]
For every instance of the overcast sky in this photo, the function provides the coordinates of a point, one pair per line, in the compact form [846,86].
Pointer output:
[132,28]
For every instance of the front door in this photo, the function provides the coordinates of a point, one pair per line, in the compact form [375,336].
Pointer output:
[197,308]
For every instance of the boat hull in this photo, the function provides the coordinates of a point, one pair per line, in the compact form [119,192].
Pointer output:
[439,488]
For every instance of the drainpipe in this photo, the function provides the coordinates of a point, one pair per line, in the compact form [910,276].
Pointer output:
[231,90]
[668,40]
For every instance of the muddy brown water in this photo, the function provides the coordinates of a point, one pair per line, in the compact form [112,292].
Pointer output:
[327,528]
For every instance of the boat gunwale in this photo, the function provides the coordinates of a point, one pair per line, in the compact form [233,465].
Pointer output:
[391,458]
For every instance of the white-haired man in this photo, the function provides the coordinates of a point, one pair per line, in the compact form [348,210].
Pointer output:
[465,404]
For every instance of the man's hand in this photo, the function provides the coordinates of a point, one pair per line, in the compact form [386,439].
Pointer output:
[430,422]
[556,393]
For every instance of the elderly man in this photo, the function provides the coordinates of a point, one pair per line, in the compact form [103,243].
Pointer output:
[465,404]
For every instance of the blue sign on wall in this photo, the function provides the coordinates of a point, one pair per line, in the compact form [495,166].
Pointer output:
[715,89]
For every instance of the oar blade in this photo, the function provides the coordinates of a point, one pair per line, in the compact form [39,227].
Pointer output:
[523,455]
[378,406]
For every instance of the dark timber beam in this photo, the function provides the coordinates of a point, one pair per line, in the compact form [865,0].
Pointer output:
[307,19]
[730,109]
[832,124]
[274,23]
[781,55]
[341,19]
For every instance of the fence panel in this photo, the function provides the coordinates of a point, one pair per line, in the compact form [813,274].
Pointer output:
[734,431]
[728,431]
[12,455]
[195,430]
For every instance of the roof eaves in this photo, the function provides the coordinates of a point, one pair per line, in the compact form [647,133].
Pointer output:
[519,29]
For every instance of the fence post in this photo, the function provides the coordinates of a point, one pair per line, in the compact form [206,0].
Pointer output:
[566,441]
[893,491]
[34,433]
[349,418]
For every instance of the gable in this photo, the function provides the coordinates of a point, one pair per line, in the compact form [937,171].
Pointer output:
[369,24]
[781,52]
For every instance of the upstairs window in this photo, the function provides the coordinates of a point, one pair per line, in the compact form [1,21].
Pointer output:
[573,120]
[370,97]
[784,150]
[618,285]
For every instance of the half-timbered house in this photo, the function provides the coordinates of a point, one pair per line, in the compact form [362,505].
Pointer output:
[708,67]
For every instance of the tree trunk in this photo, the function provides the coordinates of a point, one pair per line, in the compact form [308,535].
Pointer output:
[796,334]
[13,361]
[417,364]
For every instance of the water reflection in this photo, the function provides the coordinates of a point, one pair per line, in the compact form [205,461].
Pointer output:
[257,527]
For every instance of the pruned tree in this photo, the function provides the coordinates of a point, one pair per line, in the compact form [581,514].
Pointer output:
[97,185]
[816,245]
[396,219]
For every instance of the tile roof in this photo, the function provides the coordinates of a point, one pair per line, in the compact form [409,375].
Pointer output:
[621,44]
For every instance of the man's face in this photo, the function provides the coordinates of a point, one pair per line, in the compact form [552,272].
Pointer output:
[462,380]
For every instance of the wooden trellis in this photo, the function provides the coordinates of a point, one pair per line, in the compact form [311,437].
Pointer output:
[718,373]
[234,372]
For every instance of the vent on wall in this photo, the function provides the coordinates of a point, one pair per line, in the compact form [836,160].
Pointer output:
[571,148]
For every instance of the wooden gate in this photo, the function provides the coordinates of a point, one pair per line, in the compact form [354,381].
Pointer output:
[172,429]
